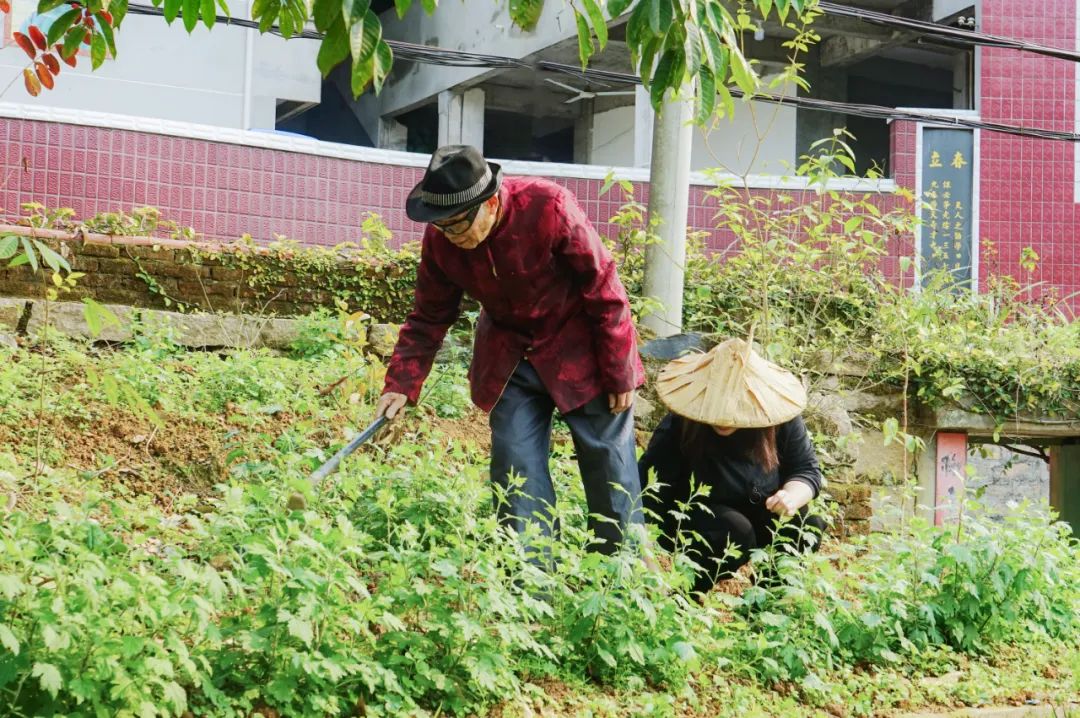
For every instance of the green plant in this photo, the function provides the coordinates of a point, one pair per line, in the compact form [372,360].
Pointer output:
[968,587]
[395,592]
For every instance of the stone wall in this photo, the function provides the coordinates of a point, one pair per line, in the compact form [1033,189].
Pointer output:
[159,273]
[1008,477]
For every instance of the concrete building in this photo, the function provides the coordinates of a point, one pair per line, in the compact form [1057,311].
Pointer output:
[233,77]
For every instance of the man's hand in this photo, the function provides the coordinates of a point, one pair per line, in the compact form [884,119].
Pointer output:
[618,403]
[390,405]
[788,500]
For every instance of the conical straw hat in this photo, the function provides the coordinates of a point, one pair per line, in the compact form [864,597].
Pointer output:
[731,386]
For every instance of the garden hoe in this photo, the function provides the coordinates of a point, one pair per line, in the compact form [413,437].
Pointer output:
[297,502]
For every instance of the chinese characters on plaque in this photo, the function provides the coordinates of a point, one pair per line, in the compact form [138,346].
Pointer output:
[947,192]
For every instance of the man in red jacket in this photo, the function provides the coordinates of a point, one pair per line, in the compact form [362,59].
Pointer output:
[555,332]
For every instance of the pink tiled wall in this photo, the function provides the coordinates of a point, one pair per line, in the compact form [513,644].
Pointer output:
[1027,184]
[226,190]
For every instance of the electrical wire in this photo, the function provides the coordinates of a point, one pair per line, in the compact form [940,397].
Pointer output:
[458,58]
[953,35]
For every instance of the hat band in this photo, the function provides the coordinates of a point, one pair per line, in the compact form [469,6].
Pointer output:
[456,198]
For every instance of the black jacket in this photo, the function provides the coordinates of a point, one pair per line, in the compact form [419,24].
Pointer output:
[734,478]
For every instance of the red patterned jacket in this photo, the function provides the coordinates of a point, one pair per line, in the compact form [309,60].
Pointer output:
[549,291]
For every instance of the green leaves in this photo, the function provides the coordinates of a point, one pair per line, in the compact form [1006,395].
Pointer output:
[98,317]
[172,10]
[585,43]
[364,39]
[706,103]
[334,48]
[9,245]
[98,50]
[325,12]
[189,14]
[208,11]
[61,25]
[596,20]
[526,13]
[106,31]
[49,677]
[119,9]
[8,641]
[382,61]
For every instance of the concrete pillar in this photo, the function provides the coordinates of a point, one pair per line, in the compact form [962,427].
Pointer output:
[583,133]
[392,134]
[461,118]
[925,465]
[643,127]
[669,199]
[941,473]
[961,81]
[1065,483]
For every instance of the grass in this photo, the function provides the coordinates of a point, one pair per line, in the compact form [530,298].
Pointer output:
[150,568]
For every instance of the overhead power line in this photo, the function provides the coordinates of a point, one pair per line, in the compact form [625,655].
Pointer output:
[953,35]
[458,58]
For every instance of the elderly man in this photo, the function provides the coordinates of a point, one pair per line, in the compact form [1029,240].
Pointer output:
[555,331]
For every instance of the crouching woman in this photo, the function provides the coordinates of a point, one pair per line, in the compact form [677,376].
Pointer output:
[735,427]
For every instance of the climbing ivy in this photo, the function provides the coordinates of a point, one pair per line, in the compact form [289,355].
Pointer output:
[826,279]
[810,277]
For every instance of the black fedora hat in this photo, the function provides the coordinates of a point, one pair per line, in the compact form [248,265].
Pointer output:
[457,179]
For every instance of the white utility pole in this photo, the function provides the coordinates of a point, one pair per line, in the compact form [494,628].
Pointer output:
[669,199]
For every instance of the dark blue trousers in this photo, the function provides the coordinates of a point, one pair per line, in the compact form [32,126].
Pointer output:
[521,446]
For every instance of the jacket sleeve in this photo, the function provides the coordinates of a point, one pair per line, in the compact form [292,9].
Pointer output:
[605,298]
[664,457]
[437,307]
[798,460]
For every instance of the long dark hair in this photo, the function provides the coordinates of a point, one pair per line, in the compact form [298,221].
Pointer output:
[758,444]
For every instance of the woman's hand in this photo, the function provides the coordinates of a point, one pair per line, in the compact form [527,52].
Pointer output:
[788,500]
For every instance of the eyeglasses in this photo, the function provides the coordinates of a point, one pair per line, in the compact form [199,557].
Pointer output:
[460,225]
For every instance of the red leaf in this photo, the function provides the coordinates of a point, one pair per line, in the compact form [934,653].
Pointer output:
[106,16]
[70,61]
[33,86]
[88,37]
[38,37]
[5,6]
[25,43]
[44,75]
[52,62]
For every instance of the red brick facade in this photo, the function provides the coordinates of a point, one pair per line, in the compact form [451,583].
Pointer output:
[224,190]
[1027,186]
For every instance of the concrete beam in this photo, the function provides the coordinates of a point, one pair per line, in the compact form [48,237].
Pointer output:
[829,26]
[846,50]
[843,50]
[475,26]
[953,418]
[522,99]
